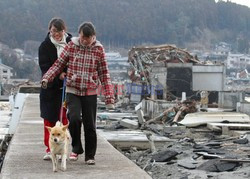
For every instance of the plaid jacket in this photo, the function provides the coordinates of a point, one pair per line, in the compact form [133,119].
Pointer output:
[86,66]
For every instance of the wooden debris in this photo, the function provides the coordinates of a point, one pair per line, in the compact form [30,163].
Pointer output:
[157,118]
[142,58]
[180,110]
[235,160]
[177,116]
[208,156]
[140,115]
[151,141]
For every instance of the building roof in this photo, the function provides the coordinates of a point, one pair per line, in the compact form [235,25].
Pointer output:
[5,66]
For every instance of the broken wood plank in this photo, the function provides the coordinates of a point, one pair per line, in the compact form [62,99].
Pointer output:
[161,115]
[176,117]
[140,115]
[235,160]
[151,141]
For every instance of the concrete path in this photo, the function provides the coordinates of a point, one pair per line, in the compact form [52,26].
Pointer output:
[24,157]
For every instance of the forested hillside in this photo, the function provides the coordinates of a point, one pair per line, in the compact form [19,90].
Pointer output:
[125,23]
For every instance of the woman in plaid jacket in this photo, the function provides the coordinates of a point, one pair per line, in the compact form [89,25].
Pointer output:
[86,65]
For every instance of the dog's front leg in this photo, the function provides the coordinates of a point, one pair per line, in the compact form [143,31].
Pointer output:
[54,162]
[63,164]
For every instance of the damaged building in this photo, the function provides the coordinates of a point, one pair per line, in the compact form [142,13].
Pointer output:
[169,73]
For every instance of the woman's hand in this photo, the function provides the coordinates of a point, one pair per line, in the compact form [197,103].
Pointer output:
[62,76]
[44,83]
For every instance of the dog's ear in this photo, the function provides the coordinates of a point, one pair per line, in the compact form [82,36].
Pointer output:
[49,128]
[65,127]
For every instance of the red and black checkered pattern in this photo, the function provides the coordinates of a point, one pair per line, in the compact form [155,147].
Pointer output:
[86,66]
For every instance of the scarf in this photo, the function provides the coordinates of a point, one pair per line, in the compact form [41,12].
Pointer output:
[59,45]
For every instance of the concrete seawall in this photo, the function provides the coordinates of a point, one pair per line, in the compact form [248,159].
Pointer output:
[24,156]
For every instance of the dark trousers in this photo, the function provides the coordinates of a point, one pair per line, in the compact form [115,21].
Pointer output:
[82,109]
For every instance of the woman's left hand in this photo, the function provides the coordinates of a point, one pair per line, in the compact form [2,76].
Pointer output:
[62,76]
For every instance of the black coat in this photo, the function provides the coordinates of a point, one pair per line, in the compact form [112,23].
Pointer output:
[50,98]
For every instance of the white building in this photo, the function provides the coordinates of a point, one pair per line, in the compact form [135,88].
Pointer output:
[238,61]
[222,48]
[19,52]
[112,55]
[117,65]
[5,73]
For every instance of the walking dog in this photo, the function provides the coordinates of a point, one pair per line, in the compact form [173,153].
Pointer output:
[59,144]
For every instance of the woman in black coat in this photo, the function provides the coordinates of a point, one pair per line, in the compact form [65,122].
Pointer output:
[50,98]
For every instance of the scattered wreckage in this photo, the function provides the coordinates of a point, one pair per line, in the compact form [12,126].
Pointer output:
[172,131]
[141,59]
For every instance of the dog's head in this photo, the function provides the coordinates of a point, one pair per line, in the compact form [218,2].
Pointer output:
[58,134]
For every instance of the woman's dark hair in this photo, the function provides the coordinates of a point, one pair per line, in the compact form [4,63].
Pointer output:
[87,28]
[58,23]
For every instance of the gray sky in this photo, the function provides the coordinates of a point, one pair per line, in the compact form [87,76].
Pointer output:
[242,2]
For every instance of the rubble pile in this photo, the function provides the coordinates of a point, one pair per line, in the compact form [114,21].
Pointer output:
[142,58]
[188,152]
[4,143]
[177,122]
[196,155]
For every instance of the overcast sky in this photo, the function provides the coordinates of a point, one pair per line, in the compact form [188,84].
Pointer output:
[242,2]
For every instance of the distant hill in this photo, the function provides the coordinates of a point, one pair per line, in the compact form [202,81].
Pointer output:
[123,23]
